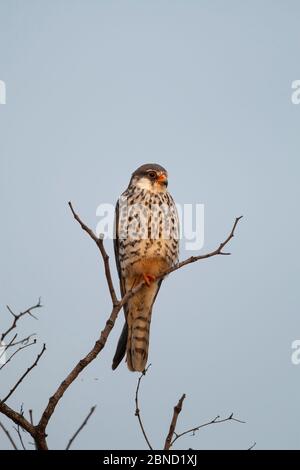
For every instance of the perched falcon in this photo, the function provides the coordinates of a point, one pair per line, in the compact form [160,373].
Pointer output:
[146,244]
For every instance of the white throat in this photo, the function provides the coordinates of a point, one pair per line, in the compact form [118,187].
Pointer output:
[145,183]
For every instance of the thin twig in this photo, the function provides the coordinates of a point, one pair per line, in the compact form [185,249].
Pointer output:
[100,245]
[17,429]
[9,436]
[28,311]
[21,341]
[252,447]
[176,412]
[81,427]
[16,352]
[137,408]
[24,375]
[216,420]
[17,418]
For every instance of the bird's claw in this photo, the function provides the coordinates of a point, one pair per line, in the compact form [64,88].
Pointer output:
[148,278]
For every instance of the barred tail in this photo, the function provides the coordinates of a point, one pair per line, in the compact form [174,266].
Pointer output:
[138,321]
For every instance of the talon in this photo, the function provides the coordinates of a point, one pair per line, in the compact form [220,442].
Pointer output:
[148,278]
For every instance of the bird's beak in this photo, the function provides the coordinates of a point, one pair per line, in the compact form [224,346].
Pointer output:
[163,179]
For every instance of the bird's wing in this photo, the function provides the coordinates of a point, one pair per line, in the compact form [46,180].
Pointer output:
[121,346]
[116,248]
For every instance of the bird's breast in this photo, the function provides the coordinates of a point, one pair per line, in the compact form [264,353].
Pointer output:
[149,225]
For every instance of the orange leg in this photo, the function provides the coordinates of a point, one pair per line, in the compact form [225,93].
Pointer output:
[148,278]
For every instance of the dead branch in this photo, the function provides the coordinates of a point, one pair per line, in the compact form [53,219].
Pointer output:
[252,447]
[216,420]
[24,375]
[100,245]
[17,418]
[177,410]
[18,429]
[79,367]
[28,311]
[21,341]
[137,408]
[81,427]
[16,352]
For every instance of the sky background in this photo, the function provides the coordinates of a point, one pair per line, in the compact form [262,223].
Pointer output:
[95,89]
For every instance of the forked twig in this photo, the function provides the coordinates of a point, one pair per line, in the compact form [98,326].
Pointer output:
[137,408]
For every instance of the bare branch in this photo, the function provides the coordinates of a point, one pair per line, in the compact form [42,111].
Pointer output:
[8,436]
[24,375]
[177,410]
[28,311]
[17,418]
[252,447]
[216,252]
[137,408]
[17,429]
[21,341]
[16,352]
[216,420]
[100,245]
[81,427]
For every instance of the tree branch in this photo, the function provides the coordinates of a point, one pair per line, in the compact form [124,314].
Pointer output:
[17,418]
[216,420]
[24,375]
[16,352]
[80,427]
[28,311]
[252,447]
[137,408]
[79,367]
[17,429]
[177,410]
[100,245]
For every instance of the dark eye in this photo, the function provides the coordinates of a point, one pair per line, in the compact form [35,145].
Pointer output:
[152,174]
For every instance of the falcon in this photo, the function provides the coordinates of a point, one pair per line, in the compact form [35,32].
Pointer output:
[146,244]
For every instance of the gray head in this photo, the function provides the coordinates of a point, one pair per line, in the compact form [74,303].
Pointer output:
[151,177]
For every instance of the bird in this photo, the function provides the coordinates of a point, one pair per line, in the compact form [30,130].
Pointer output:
[146,244]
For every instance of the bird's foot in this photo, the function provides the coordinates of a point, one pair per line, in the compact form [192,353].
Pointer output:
[148,278]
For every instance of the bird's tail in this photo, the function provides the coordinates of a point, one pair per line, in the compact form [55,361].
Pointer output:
[138,322]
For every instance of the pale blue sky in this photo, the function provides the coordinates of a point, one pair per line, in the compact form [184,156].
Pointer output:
[96,88]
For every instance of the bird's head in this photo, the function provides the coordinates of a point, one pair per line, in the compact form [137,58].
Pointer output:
[151,177]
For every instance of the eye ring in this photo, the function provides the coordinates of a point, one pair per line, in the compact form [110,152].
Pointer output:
[152,174]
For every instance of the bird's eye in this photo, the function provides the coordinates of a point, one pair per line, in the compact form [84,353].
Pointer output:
[152,174]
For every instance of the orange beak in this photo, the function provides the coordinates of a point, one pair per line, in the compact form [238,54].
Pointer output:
[163,179]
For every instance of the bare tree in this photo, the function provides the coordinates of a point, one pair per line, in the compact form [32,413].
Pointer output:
[38,431]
